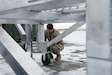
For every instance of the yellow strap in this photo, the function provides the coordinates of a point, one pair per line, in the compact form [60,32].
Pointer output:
[0,25]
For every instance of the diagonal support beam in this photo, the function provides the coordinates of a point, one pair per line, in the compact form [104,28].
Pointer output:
[20,29]
[8,6]
[20,62]
[65,33]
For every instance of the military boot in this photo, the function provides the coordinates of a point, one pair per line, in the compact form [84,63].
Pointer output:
[58,57]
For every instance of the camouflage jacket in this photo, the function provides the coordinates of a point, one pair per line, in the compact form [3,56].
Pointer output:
[50,36]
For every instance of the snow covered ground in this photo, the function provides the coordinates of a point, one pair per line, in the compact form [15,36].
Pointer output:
[73,60]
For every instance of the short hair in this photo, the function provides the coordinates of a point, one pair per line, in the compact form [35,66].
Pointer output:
[49,26]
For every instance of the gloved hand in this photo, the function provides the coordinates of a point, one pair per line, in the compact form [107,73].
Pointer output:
[48,49]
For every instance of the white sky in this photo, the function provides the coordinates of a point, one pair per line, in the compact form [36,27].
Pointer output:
[64,25]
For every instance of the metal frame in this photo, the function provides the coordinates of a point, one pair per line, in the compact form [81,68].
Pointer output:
[20,62]
[35,12]
[44,17]
[65,33]
[22,32]
[18,5]
[99,37]
[20,29]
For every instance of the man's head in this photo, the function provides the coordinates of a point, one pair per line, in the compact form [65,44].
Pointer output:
[50,28]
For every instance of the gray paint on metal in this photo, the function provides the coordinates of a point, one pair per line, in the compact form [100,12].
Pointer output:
[46,17]
[18,5]
[65,33]
[20,62]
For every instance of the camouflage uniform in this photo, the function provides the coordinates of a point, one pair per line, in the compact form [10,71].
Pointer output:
[55,48]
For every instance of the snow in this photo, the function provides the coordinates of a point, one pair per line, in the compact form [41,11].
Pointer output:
[5,68]
[73,60]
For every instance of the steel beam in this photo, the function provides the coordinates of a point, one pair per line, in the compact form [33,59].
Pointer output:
[20,5]
[40,38]
[20,29]
[15,21]
[20,62]
[27,15]
[65,33]
[80,10]
[28,33]
[46,17]
[99,37]
[10,21]
[40,33]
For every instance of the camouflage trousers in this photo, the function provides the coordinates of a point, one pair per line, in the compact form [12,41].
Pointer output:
[57,48]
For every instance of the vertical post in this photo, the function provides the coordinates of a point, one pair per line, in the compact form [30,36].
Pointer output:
[28,33]
[99,37]
[40,33]
[31,42]
[40,36]
[28,29]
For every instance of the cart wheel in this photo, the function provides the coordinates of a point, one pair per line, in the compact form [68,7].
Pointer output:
[45,59]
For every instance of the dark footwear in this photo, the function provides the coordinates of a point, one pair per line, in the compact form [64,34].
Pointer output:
[58,57]
[51,56]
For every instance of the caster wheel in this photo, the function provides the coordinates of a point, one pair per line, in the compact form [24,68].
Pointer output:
[45,59]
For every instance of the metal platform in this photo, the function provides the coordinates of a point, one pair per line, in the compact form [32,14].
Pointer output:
[29,12]
[38,5]
[35,12]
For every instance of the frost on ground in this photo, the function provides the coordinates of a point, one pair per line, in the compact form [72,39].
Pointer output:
[5,68]
[73,60]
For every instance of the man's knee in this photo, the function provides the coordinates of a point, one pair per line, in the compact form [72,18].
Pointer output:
[55,50]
